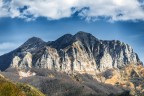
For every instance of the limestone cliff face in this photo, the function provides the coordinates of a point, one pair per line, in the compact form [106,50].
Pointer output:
[81,53]
[22,63]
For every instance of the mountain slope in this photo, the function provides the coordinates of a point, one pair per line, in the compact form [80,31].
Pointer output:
[31,45]
[130,77]
[53,83]
[8,88]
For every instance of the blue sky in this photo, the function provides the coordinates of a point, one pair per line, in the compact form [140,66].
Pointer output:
[50,19]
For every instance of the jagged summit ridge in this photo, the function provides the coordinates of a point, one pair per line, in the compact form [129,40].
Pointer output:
[81,53]
[69,39]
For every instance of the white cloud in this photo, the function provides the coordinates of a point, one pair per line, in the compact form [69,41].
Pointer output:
[3,11]
[56,9]
[7,47]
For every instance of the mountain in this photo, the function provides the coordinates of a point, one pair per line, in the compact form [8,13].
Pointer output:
[81,53]
[78,62]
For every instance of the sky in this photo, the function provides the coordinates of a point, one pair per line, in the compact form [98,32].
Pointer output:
[49,19]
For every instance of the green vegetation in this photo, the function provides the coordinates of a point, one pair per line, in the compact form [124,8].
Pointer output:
[29,90]
[8,88]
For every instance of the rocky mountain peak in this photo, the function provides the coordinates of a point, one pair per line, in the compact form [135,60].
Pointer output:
[81,52]
[84,36]
[31,45]
[34,38]
[62,42]
[33,41]
[68,39]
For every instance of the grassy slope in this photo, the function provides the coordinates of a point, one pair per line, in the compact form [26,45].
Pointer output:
[8,88]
